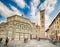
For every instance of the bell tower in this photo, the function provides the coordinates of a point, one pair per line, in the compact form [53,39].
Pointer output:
[42,19]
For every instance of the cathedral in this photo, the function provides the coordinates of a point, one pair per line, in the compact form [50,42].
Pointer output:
[18,27]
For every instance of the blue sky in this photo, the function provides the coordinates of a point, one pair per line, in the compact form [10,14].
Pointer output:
[30,9]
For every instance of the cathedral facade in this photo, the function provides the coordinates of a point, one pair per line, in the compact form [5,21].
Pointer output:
[17,28]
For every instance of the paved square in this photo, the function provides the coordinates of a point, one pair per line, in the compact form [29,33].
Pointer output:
[31,43]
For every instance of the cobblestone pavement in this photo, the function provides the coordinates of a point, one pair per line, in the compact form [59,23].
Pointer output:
[31,43]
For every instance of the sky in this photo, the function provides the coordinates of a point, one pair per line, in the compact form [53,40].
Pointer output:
[30,9]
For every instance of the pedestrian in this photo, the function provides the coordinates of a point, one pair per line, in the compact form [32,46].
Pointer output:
[6,41]
[24,40]
[0,40]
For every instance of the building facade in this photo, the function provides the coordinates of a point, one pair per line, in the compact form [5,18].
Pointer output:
[17,28]
[37,31]
[54,29]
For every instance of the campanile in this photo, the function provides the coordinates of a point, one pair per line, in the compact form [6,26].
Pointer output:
[42,20]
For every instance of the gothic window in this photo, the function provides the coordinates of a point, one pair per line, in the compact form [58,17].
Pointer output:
[42,17]
[57,22]
[42,21]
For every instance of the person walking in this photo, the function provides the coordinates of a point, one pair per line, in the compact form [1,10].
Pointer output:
[0,40]
[6,41]
[24,40]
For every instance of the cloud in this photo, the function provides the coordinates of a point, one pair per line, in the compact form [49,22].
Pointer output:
[20,3]
[36,2]
[34,13]
[15,11]
[49,6]
[5,11]
[36,19]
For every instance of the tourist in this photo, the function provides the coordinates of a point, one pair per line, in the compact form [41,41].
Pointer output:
[6,41]
[24,40]
[0,40]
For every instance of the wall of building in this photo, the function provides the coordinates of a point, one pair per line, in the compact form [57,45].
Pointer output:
[54,28]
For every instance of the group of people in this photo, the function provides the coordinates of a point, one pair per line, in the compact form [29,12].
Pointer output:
[6,41]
